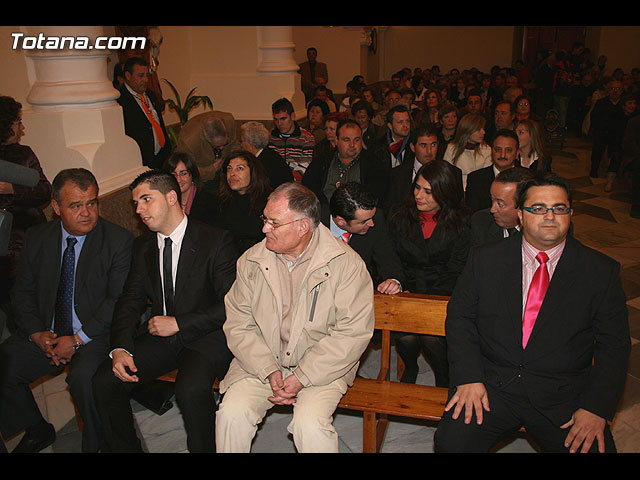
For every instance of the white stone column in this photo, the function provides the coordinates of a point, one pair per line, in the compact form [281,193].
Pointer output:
[73,119]
[275,58]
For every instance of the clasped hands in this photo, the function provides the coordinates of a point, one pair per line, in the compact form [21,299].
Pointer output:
[58,350]
[284,391]
[585,426]
[123,365]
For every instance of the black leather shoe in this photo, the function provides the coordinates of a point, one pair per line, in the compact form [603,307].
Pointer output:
[36,438]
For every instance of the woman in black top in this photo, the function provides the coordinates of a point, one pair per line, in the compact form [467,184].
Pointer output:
[243,190]
[430,234]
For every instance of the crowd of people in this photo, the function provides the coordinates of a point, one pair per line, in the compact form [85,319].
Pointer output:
[265,246]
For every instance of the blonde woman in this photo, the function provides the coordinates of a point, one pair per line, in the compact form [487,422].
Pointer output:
[533,154]
[468,151]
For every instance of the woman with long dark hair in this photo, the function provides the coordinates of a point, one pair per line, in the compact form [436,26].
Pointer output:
[242,195]
[430,234]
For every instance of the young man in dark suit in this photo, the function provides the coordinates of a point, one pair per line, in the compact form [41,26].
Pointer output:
[538,336]
[184,268]
[70,275]
[353,217]
[142,115]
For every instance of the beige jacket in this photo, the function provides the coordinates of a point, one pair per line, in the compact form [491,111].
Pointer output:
[332,322]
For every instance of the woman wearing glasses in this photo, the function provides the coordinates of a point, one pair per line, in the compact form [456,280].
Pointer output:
[430,234]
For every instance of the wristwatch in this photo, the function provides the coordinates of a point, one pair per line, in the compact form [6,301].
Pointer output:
[76,343]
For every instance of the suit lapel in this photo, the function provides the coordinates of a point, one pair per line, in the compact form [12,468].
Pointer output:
[563,278]
[51,262]
[90,249]
[188,254]
[152,261]
[509,269]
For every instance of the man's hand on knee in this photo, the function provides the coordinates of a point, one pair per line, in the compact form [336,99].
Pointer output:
[472,397]
[121,360]
[585,427]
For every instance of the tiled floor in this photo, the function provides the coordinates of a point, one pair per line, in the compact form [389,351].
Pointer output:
[601,220]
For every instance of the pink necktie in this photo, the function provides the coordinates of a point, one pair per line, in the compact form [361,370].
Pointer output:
[345,237]
[537,291]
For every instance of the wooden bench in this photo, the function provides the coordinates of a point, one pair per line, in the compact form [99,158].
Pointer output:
[380,397]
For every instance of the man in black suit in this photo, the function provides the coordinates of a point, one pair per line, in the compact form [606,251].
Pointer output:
[184,269]
[504,153]
[70,275]
[501,220]
[349,163]
[392,147]
[142,118]
[538,336]
[254,138]
[353,217]
[424,146]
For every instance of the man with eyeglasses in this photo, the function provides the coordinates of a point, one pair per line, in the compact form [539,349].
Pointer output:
[299,316]
[538,336]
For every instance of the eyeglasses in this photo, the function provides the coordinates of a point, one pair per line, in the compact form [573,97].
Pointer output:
[275,225]
[542,210]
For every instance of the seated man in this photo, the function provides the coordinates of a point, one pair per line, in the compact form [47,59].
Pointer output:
[254,137]
[538,336]
[348,163]
[353,217]
[299,316]
[504,155]
[293,143]
[71,273]
[184,268]
[501,219]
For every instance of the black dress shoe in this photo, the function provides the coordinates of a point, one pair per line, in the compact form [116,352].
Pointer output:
[36,438]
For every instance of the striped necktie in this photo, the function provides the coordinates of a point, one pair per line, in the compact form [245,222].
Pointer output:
[154,123]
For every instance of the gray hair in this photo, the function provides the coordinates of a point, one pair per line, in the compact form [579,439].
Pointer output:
[300,200]
[214,129]
[254,133]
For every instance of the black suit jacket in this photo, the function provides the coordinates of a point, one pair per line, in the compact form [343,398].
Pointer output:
[430,266]
[484,228]
[375,248]
[206,271]
[101,271]
[478,193]
[138,127]
[275,167]
[578,351]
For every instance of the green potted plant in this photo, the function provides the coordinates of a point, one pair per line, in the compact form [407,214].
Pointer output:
[191,101]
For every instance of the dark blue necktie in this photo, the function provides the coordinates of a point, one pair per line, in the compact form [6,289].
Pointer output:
[64,301]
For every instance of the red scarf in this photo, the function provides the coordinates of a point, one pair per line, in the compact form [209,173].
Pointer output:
[428,223]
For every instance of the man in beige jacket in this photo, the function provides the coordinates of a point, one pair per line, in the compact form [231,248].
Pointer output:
[299,316]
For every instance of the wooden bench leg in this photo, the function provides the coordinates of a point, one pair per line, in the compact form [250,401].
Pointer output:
[369,432]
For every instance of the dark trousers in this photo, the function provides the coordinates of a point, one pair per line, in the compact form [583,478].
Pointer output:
[509,412]
[22,362]
[434,348]
[603,142]
[153,357]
